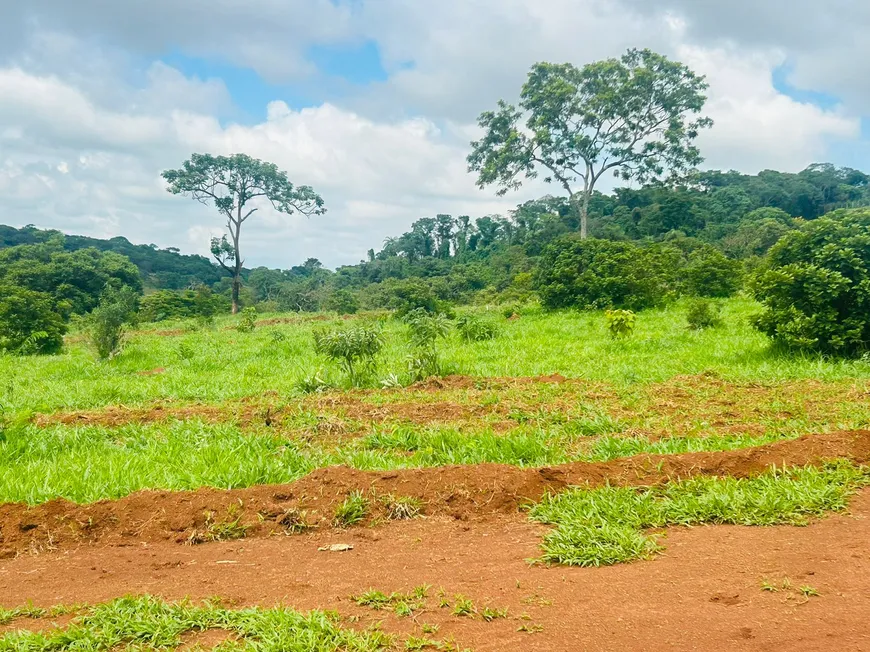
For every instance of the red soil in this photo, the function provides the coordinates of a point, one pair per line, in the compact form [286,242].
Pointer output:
[704,593]
[461,492]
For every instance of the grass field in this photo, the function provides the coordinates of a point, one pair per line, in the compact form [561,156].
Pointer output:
[221,408]
[221,363]
[185,408]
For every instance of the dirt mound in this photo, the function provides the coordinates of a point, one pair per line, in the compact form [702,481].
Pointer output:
[118,415]
[462,492]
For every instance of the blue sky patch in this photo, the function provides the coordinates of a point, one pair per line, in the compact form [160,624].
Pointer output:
[781,83]
[342,69]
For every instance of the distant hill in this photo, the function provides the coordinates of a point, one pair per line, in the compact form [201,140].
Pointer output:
[160,268]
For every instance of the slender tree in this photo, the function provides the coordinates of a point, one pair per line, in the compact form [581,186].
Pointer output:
[637,116]
[231,184]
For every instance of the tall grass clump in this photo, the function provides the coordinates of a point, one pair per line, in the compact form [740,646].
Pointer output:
[424,332]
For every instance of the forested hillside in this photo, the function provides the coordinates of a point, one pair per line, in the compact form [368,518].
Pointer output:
[159,268]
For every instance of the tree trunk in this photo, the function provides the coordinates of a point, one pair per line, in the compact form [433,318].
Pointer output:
[581,206]
[237,282]
[584,214]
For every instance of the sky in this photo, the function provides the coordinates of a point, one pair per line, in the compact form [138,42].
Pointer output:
[374,102]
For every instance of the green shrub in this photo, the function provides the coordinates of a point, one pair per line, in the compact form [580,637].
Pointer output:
[595,274]
[29,323]
[411,294]
[703,313]
[106,323]
[355,349]
[710,273]
[815,286]
[620,323]
[474,329]
[247,320]
[268,306]
[424,332]
[342,301]
[170,304]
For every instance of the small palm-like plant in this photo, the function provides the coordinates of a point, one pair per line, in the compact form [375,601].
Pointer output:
[355,349]
[425,330]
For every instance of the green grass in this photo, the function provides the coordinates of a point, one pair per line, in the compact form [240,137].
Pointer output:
[146,623]
[613,447]
[352,511]
[217,364]
[606,526]
[89,463]
[402,604]
[549,424]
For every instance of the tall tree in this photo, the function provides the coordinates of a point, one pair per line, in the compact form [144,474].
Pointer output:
[637,116]
[231,184]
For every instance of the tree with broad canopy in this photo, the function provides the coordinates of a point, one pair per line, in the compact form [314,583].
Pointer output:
[636,115]
[231,183]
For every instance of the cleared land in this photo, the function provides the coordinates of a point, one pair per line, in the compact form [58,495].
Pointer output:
[192,467]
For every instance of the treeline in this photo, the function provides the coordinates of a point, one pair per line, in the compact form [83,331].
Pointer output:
[494,258]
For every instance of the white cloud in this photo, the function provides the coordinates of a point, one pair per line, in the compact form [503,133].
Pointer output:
[87,128]
[755,126]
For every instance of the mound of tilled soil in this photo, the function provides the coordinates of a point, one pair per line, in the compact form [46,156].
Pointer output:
[463,492]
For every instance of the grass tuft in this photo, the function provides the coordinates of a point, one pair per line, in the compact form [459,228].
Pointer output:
[402,507]
[352,511]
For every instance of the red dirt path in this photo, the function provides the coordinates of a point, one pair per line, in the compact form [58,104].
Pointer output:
[702,594]
[461,492]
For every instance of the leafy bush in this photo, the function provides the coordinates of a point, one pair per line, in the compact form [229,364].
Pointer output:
[410,294]
[355,349]
[815,286]
[620,323]
[710,273]
[312,383]
[702,314]
[169,304]
[424,332]
[474,329]
[247,320]
[268,306]
[342,301]
[106,322]
[29,323]
[595,274]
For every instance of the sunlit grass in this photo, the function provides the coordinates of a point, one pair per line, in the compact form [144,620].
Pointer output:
[90,463]
[522,425]
[605,526]
[217,364]
[146,623]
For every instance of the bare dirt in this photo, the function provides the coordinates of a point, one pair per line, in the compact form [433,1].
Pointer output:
[704,593]
[460,492]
